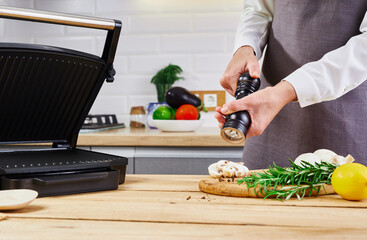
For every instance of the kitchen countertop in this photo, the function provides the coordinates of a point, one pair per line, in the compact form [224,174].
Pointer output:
[202,137]
[172,207]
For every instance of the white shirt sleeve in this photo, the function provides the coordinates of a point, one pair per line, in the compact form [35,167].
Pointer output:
[335,74]
[254,23]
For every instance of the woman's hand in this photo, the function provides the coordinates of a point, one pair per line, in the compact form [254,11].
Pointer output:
[262,106]
[244,60]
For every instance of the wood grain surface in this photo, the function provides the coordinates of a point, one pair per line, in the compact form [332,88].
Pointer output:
[230,188]
[202,137]
[173,207]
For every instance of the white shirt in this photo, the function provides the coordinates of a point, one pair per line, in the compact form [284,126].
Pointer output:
[335,74]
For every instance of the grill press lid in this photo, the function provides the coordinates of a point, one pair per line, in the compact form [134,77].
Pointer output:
[46,92]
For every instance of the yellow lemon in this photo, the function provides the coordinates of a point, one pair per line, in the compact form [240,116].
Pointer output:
[350,181]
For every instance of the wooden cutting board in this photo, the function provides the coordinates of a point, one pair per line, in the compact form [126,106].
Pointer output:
[230,188]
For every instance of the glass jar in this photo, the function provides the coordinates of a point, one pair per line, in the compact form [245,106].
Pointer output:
[137,117]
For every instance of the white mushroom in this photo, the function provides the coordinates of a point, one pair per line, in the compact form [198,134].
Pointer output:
[307,157]
[224,168]
[323,155]
[213,171]
[340,160]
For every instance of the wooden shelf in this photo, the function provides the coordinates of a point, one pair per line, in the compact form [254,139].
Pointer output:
[202,137]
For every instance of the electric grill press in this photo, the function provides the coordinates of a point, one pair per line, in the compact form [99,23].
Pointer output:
[45,95]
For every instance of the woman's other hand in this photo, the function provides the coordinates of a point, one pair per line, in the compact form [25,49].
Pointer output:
[244,60]
[262,106]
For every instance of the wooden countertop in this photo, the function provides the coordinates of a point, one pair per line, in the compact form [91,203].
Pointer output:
[202,137]
[172,207]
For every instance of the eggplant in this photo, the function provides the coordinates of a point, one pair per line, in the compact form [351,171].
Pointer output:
[177,96]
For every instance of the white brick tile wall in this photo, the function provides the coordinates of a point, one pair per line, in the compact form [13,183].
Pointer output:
[179,6]
[18,3]
[161,23]
[150,64]
[84,7]
[140,100]
[193,43]
[16,28]
[138,44]
[203,63]
[209,119]
[126,6]
[129,85]
[234,5]
[197,35]
[123,118]
[202,81]
[100,42]
[78,31]
[105,104]
[5,38]
[191,82]
[120,64]
[230,41]
[4,35]
[216,22]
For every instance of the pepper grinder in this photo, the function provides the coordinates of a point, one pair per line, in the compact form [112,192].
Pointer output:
[236,125]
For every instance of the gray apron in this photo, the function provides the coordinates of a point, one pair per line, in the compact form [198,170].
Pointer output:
[303,31]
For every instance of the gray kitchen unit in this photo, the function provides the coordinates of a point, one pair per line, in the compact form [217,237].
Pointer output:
[172,160]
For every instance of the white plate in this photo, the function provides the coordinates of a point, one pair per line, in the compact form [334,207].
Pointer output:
[177,125]
[17,198]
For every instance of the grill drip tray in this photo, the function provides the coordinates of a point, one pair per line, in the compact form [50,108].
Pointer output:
[57,172]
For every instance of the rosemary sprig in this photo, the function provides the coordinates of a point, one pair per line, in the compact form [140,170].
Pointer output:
[283,183]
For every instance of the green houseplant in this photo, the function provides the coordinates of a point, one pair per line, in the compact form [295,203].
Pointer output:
[164,79]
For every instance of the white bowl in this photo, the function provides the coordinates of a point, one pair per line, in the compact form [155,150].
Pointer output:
[178,125]
[16,198]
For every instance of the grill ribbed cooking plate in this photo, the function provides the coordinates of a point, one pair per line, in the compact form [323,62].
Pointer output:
[44,90]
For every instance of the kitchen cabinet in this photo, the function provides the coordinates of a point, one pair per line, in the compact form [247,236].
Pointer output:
[172,160]
[155,152]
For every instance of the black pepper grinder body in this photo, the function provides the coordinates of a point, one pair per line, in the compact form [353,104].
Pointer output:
[236,125]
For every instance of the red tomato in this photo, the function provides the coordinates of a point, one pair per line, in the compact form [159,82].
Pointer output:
[187,112]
